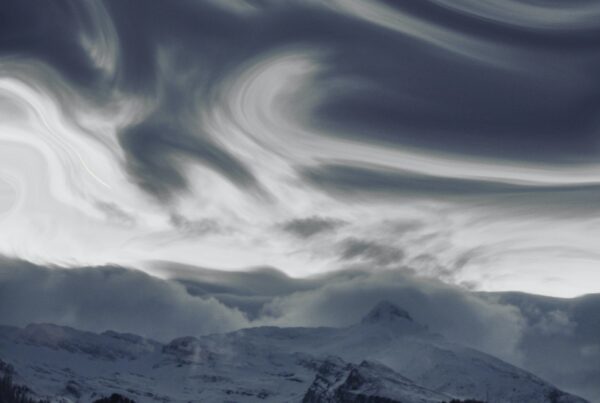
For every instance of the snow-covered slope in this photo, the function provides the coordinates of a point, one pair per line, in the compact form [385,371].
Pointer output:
[388,355]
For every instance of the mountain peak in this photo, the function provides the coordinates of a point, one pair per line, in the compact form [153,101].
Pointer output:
[385,311]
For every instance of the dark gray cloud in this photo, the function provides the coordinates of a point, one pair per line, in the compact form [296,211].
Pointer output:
[350,180]
[115,214]
[155,158]
[354,249]
[310,226]
[107,297]
[195,228]
[247,290]
[400,228]
[258,281]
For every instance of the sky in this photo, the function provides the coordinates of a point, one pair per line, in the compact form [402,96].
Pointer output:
[451,140]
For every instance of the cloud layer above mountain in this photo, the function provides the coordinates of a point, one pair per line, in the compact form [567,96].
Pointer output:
[197,301]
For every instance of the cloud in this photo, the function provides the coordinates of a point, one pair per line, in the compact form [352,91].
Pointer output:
[239,118]
[354,249]
[344,297]
[561,330]
[194,228]
[108,297]
[310,226]
[197,301]
[248,290]
[378,95]
[116,214]
[157,151]
[352,179]
[556,322]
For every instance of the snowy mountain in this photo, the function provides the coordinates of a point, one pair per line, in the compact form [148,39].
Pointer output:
[386,357]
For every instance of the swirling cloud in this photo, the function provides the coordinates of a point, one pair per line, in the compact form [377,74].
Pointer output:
[204,132]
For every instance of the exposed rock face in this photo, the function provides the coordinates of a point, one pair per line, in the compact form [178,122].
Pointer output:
[369,382]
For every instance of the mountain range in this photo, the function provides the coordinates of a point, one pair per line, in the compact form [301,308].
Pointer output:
[387,357]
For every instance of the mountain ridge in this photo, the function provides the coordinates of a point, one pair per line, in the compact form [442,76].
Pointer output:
[387,355]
